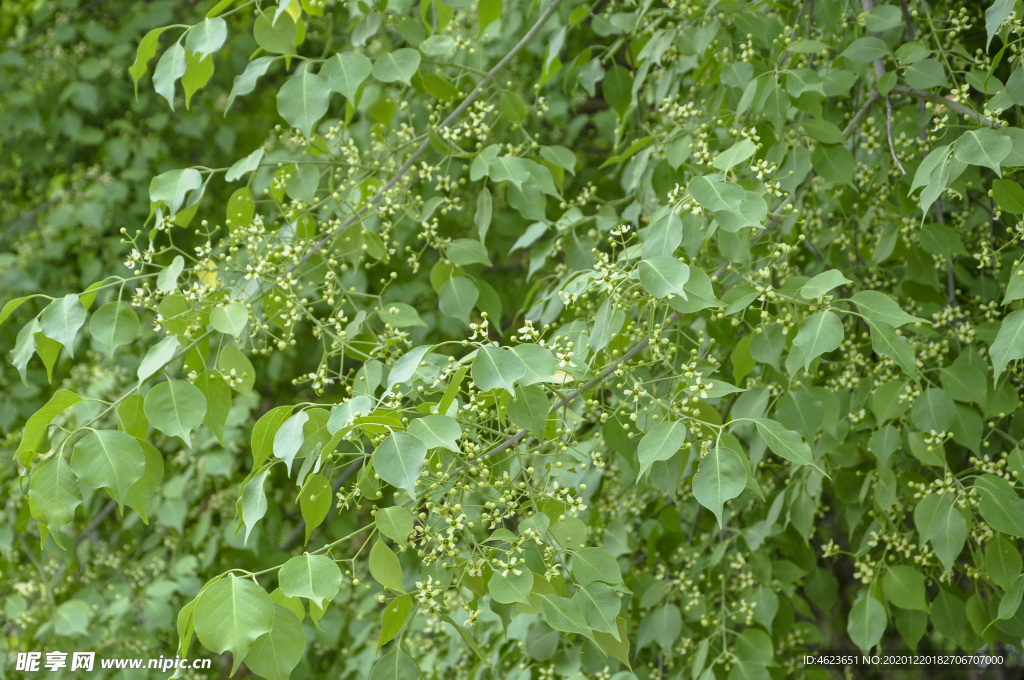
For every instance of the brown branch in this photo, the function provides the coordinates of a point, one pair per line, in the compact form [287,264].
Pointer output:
[452,117]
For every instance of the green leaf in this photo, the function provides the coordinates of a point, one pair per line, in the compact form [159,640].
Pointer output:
[303,100]
[540,363]
[721,476]
[53,494]
[277,652]
[315,501]
[998,12]
[867,622]
[169,69]
[457,298]
[437,431]
[933,410]
[735,154]
[229,319]
[405,367]
[61,320]
[529,409]
[395,665]
[563,615]
[394,522]
[108,459]
[1003,561]
[819,333]
[114,324]
[940,523]
[400,315]
[399,459]
[176,408]
[595,564]
[618,89]
[231,615]
[264,432]
[497,368]
[864,50]
[289,438]
[34,436]
[314,577]
[714,195]
[167,280]
[511,588]
[487,12]
[984,147]
[253,502]
[1008,195]
[145,52]
[171,187]
[385,567]
[131,416]
[823,283]
[397,66]
[964,382]
[1009,343]
[393,618]
[240,205]
[600,606]
[783,442]
[833,162]
[880,308]
[663,276]
[660,443]
[277,34]
[345,72]
[999,505]
[903,586]
[467,251]
[141,492]
[207,36]
[885,341]
[615,646]
[245,82]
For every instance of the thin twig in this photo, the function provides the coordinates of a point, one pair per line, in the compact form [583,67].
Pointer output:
[936,98]
[888,134]
[452,117]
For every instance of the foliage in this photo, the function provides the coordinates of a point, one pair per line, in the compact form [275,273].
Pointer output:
[508,340]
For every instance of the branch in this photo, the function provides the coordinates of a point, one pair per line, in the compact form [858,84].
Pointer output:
[452,117]
[936,98]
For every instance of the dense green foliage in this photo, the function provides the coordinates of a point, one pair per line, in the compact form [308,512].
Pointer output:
[473,339]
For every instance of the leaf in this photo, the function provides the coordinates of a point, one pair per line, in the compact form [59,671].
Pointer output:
[595,564]
[823,283]
[303,100]
[405,367]
[886,342]
[661,442]
[663,276]
[315,501]
[314,577]
[497,368]
[245,82]
[108,459]
[399,459]
[167,280]
[1009,343]
[141,492]
[385,567]
[395,665]
[393,618]
[400,315]
[437,431]
[529,409]
[395,522]
[289,438]
[834,163]
[114,324]
[176,408]
[867,622]
[169,69]
[277,652]
[903,586]
[511,588]
[1008,194]
[229,319]
[231,615]
[171,187]
[933,410]
[145,52]
[53,494]
[345,72]
[940,523]
[277,35]
[61,320]
[563,615]
[600,606]
[880,308]
[397,66]
[457,297]
[714,195]
[264,432]
[783,442]
[253,502]
[999,505]
[721,476]
[207,36]
[998,12]
[735,154]
[488,11]
[242,197]
[615,646]
[984,147]
[819,333]
[467,251]
[864,50]
[618,89]
[34,435]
